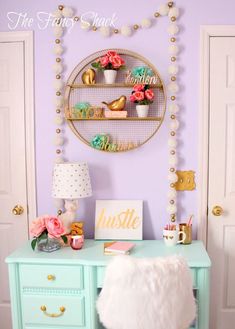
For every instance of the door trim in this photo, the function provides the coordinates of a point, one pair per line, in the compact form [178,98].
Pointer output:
[206,32]
[27,38]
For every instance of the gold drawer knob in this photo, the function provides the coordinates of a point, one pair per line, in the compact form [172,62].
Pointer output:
[50,277]
[53,315]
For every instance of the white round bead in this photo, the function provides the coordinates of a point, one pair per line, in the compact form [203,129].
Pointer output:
[59,141]
[174,12]
[67,12]
[172,194]
[59,203]
[173,108]
[146,23]
[58,49]
[173,49]
[163,10]
[58,31]
[172,177]
[58,68]
[59,159]
[174,125]
[59,101]
[105,31]
[57,13]
[59,120]
[85,25]
[173,29]
[171,209]
[126,30]
[173,69]
[58,84]
[173,160]
[173,87]
[172,143]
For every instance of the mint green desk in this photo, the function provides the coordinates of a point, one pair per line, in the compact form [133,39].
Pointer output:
[59,290]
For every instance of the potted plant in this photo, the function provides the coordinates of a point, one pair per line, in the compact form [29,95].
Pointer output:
[142,95]
[47,232]
[109,63]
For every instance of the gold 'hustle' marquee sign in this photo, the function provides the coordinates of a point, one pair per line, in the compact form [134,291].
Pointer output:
[119,220]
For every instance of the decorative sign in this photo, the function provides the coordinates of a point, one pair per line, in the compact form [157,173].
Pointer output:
[119,220]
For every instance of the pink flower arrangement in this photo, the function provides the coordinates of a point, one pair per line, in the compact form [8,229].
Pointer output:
[47,226]
[110,61]
[142,94]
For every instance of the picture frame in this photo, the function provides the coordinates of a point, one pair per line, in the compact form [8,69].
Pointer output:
[119,220]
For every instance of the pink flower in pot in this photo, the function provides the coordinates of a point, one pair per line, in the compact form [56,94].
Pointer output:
[142,95]
[110,63]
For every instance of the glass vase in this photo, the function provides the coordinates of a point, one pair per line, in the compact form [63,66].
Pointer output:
[49,245]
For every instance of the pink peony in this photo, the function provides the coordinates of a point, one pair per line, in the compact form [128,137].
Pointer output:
[104,61]
[116,61]
[111,53]
[139,95]
[132,98]
[54,227]
[38,226]
[149,94]
[138,87]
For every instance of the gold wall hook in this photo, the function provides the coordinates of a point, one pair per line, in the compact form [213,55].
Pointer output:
[186,180]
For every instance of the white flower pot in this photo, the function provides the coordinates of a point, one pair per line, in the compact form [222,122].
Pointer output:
[142,110]
[110,76]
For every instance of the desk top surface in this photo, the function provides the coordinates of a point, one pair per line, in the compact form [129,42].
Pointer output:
[92,253]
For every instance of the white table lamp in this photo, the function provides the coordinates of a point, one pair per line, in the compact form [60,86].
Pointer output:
[71,181]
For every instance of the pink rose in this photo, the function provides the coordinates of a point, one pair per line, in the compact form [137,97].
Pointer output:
[149,94]
[37,226]
[116,61]
[139,95]
[54,227]
[138,87]
[104,61]
[111,53]
[132,98]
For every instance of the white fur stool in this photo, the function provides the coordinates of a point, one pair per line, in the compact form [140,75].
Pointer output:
[147,294]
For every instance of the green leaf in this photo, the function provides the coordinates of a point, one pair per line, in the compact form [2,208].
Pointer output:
[95,65]
[33,243]
[64,238]
[42,236]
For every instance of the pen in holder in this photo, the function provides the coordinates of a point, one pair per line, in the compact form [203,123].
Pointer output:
[172,236]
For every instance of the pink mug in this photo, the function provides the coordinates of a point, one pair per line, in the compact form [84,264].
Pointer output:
[77,242]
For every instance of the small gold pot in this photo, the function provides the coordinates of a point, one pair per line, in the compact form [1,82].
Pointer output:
[187,229]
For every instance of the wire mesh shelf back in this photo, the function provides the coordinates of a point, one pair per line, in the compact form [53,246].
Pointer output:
[127,133]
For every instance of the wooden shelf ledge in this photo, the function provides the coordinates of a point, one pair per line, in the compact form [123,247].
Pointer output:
[114,85]
[122,119]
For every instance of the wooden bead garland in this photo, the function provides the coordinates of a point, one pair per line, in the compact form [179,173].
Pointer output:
[172,12]
[173,89]
[58,31]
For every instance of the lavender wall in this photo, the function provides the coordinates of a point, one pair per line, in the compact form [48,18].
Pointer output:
[139,174]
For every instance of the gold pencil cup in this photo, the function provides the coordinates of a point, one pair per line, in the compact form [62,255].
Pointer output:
[187,229]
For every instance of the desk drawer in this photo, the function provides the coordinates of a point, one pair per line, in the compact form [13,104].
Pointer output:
[101,273]
[51,314]
[51,276]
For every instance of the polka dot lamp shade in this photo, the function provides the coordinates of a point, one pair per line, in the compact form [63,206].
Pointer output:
[71,181]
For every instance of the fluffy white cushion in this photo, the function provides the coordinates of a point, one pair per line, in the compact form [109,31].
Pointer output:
[147,294]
